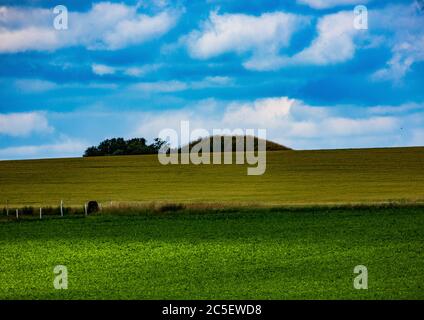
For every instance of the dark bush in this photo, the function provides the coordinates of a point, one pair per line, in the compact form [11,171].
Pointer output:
[92,206]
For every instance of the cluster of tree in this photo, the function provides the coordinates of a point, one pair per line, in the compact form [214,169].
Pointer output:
[120,146]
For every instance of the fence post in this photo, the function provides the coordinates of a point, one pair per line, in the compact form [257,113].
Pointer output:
[61,208]
[40,214]
[85,209]
[17,214]
[7,207]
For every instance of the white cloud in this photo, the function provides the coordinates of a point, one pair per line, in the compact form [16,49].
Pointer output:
[405,54]
[133,71]
[262,36]
[298,125]
[101,69]
[106,26]
[405,40]
[325,4]
[60,149]
[297,120]
[160,86]
[39,85]
[334,43]
[23,124]
[261,113]
[417,138]
[34,85]
[398,27]
[30,38]
[394,110]
[211,82]
[139,29]
[177,85]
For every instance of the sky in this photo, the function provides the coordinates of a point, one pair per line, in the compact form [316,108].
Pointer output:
[304,70]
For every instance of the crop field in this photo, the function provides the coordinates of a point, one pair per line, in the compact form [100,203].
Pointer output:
[297,232]
[291,177]
[245,254]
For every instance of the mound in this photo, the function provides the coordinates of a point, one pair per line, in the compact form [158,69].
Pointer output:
[237,143]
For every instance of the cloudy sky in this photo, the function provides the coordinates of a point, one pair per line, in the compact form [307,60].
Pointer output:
[298,68]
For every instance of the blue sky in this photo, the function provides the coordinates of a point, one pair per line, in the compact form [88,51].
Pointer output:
[299,69]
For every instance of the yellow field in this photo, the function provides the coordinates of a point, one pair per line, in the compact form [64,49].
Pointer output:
[292,177]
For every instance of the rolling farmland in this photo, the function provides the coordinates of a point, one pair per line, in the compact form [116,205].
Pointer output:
[292,177]
[296,232]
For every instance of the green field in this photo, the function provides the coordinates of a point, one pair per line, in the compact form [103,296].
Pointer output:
[292,233]
[252,254]
[292,177]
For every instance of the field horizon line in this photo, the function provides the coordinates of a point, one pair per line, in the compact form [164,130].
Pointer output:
[291,150]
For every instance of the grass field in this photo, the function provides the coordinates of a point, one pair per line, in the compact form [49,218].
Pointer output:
[289,234]
[292,177]
[249,254]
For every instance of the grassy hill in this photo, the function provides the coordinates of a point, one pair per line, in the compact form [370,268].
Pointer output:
[237,143]
[291,177]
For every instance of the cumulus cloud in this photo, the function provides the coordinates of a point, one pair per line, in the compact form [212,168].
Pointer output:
[405,54]
[261,36]
[261,41]
[397,27]
[23,124]
[325,4]
[106,25]
[298,125]
[263,112]
[265,36]
[60,149]
[288,121]
[297,120]
[334,42]
[406,40]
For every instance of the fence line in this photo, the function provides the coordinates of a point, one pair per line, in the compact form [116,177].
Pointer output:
[30,210]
